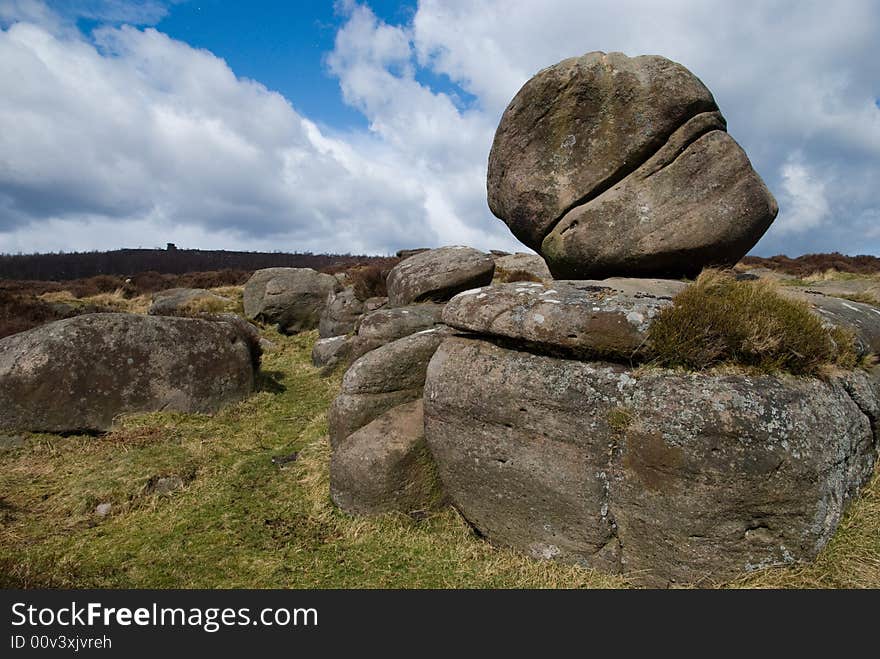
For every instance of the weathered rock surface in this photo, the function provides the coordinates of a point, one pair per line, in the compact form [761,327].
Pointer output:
[185,301]
[438,274]
[663,476]
[341,313]
[521,267]
[79,374]
[577,318]
[386,377]
[609,165]
[385,325]
[386,466]
[330,352]
[292,298]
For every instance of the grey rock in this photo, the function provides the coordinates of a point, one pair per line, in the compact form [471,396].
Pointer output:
[607,318]
[103,509]
[609,165]
[330,352]
[341,313]
[662,476]
[388,376]
[186,302]
[162,485]
[292,298]
[386,466]
[351,412]
[438,274]
[80,373]
[521,267]
[384,325]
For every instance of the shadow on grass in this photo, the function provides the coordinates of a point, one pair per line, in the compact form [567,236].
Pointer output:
[270,381]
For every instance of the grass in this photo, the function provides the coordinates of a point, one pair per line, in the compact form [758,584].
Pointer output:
[113,301]
[241,521]
[720,321]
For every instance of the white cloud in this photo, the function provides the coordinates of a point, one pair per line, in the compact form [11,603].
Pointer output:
[803,196]
[150,139]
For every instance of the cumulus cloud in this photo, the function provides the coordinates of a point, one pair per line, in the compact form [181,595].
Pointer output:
[803,197]
[129,137]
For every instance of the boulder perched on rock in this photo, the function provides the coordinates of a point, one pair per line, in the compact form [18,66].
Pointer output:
[186,302]
[438,274]
[341,313]
[578,318]
[521,267]
[663,476]
[81,373]
[386,377]
[292,298]
[608,165]
[386,466]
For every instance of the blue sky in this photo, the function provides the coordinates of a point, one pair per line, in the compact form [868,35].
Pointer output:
[365,126]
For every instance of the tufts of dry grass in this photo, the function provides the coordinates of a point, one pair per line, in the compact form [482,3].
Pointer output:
[722,321]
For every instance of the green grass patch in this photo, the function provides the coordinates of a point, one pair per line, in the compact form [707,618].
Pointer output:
[239,520]
[720,321]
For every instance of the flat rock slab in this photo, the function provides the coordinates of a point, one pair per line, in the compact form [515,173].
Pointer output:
[582,318]
[438,274]
[386,466]
[662,476]
[81,373]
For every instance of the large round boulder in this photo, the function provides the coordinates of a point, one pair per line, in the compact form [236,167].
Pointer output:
[81,373]
[609,165]
[660,475]
[292,298]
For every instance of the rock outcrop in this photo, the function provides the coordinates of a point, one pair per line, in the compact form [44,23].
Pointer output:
[341,313]
[521,267]
[614,166]
[590,318]
[438,274]
[79,374]
[384,378]
[385,325]
[386,466]
[662,476]
[291,298]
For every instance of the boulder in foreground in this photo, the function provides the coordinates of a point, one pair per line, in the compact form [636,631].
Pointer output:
[81,373]
[664,476]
